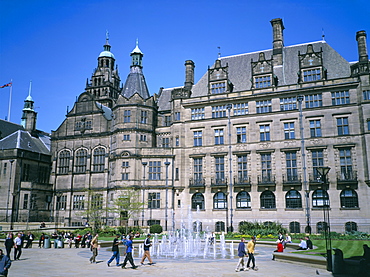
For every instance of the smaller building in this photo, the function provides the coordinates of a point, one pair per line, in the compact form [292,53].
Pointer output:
[25,161]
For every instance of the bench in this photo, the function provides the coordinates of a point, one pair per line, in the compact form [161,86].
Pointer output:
[353,266]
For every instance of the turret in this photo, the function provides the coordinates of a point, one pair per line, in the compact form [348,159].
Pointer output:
[29,115]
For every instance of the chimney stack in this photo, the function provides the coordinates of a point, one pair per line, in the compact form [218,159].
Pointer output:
[278,40]
[362,48]
[189,74]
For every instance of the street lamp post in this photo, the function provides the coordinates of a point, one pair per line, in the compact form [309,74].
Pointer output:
[323,171]
[10,181]
[142,212]
[167,163]
[231,229]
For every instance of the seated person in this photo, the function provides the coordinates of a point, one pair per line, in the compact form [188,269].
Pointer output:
[302,245]
[309,243]
[280,247]
[288,239]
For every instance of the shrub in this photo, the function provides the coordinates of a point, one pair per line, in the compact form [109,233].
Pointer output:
[156,228]
[270,229]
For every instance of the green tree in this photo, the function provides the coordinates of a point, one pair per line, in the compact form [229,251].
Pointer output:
[94,210]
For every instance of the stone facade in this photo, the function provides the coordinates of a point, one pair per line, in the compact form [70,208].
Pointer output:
[242,144]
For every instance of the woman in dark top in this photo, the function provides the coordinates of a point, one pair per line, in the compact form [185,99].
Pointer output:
[9,243]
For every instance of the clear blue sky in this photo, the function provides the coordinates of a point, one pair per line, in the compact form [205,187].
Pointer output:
[56,43]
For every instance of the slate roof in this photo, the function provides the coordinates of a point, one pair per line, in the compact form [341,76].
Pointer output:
[240,72]
[24,140]
[135,83]
[6,128]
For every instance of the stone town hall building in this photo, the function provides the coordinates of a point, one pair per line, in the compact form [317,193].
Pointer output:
[242,144]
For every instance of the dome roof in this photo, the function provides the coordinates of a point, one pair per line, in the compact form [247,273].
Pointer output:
[106,54]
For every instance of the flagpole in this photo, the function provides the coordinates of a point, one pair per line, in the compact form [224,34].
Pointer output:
[10,98]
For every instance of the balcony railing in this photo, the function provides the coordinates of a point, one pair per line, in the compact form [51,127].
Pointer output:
[347,176]
[266,180]
[201,182]
[242,181]
[291,179]
[217,182]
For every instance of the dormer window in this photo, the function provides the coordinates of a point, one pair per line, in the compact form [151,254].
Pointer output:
[311,75]
[311,66]
[218,79]
[262,81]
[219,87]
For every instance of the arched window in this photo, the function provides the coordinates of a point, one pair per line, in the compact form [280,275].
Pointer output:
[81,160]
[351,226]
[321,227]
[63,163]
[293,200]
[219,201]
[348,199]
[220,226]
[267,200]
[197,200]
[99,159]
[197,226]
[320,198]
[294,227]
[243,200]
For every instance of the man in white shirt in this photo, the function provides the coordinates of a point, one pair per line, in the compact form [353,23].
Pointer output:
[302,245]
[18,246]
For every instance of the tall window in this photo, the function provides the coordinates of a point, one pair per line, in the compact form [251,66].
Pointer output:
[264,106]
[317,161]
[312,75]
[99,159]
[198,169]
[240,108]
[313,100]
[97,201]
[289,130]
[63,164]
[220,168]
[127,116]
[197,200]
[266,167]
[154,201]
[288,103]
[241,134]
[291,166]
[125,176]
[143,138]
[293,200]
[165,142]
[219,111]
[167,120]
[144,117]
[346,172]
[340,97]
[81,160]
[26,172]
[242,169]
[315,128]
[219,201]
[351,226]
[219,136]
[219,87]
[126,137]
[177,116]
[61,202]
[220,226]
[348,199]
[320,198]
[342,125]
[366,94]
[243,200]
[25,201]
[197,138]
[197,113]
[265,132]
[78,202]
[155,170]
[267,200]
[262,81]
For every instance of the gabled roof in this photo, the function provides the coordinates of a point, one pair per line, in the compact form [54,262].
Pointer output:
[24,140]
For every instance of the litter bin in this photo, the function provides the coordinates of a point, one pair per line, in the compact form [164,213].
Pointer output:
[60,243]
[338,263]
[47,242]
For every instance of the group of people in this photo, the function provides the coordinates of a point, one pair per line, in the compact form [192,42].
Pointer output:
[249,252]
[305,243]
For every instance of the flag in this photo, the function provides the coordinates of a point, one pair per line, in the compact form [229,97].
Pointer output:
[6,85]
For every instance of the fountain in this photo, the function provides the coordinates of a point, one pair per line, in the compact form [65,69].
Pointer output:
[188,242]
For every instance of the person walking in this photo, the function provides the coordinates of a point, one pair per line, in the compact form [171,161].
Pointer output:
[115,250]
[5,264]
[128,257]
[30,238]
[147,245]
[18,246]
[42,240]
[241,254]
[94,248]
[9,243]
[251,246]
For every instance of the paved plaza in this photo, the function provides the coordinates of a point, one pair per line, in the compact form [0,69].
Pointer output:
[75,262]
